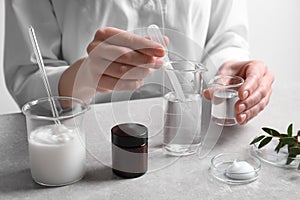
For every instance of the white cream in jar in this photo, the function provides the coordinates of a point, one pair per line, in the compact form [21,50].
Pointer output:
[57,155]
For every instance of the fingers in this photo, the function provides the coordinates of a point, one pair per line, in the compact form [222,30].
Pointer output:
[254,99]
[208,93]
[135,58]
[247,115]
[254,71]
[248,108]
[119,37]
[123,55]
[120,60]
[255,93]
[122,71]
[165,38]
[107,83]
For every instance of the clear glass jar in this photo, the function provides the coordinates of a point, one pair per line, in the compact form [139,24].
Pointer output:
[183,84]
[57,149]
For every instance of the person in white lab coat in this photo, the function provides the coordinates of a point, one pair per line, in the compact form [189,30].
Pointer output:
[68,32]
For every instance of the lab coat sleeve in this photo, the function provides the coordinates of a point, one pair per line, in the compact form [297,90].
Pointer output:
[227,37]
[22,75]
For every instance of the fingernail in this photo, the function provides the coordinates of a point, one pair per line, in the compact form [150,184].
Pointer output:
[242,107]
[207,94]
[158,63]
[245,94]
[159,51]
[243,117]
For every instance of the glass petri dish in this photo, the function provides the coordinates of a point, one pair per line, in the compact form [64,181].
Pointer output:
[268,155]
[220,164]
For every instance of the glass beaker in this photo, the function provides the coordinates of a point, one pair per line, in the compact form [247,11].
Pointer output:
[183,81]
[224,96]
[57,150]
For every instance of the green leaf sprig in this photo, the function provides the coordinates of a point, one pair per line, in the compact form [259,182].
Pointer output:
[285,140]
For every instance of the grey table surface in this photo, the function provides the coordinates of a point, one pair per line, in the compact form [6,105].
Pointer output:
[168,177]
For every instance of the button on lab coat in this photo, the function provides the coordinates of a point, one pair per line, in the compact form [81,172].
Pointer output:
[64,29]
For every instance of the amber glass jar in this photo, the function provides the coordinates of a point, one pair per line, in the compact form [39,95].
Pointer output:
[129,150]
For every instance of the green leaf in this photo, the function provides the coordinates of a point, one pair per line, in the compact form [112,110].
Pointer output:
[299,133]
[290,159]
[288,141]
[294,150]
[257,139]
[279,146]
[283,135]
[264,142]
[271,131]
[290,130]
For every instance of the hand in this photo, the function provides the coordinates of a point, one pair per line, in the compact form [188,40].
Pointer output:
[255,93]
[117,60]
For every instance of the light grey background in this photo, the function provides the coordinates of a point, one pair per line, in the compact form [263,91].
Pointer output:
[7,104]
[274,38]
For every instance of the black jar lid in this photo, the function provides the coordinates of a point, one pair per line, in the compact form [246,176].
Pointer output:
[129,135]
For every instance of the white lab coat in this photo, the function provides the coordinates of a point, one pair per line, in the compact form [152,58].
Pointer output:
[64,28]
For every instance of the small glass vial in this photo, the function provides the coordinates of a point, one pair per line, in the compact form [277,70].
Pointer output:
[129,150]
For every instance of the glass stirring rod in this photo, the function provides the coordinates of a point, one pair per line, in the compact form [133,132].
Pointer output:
[41,65]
